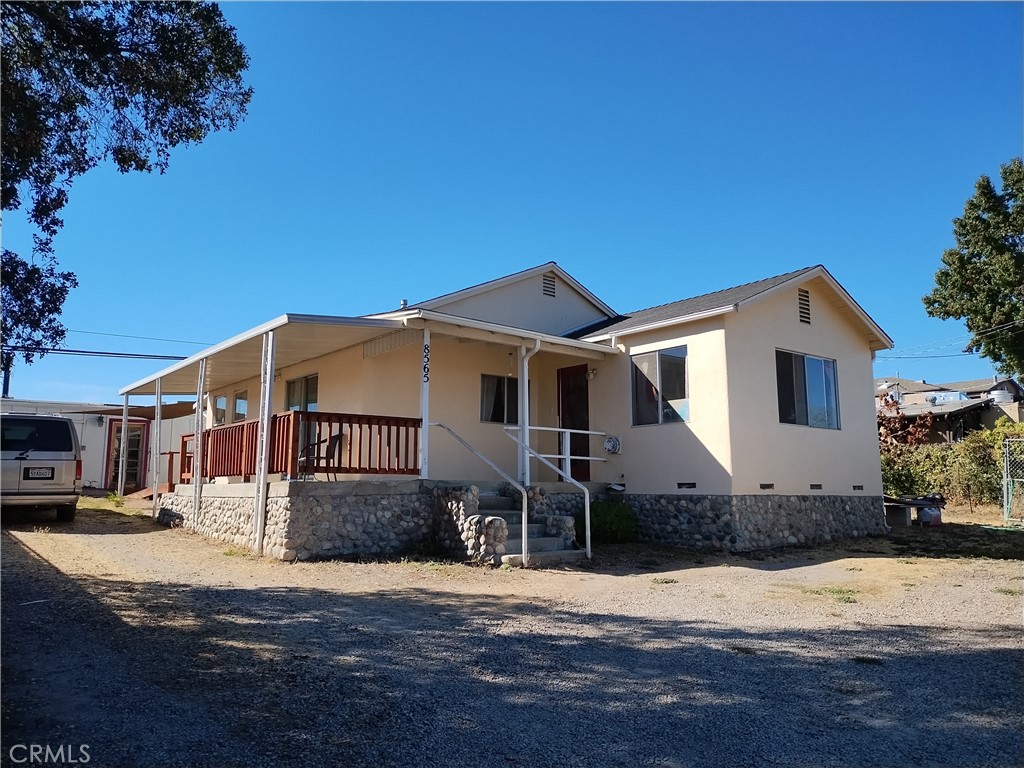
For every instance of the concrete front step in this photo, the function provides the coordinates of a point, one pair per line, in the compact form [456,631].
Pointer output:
[494,501]
[542,559]
[535,544]
[515,530]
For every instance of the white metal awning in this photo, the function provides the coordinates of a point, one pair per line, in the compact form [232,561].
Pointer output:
[304,337]
[299,337]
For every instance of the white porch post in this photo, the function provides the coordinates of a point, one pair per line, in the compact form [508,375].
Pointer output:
[197,446]
[122,463]
[424,454]
[154,453]
[263,439]
[524,409]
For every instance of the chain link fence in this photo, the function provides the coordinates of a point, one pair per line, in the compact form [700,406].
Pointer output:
[1013,479]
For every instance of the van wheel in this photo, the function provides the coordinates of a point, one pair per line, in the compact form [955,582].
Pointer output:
[66,513]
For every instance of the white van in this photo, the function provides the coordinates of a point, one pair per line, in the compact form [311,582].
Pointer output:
[42,463]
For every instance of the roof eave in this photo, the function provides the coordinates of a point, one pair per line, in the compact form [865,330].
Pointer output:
[607,336]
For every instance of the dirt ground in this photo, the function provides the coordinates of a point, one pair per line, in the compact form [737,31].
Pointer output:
[143,645]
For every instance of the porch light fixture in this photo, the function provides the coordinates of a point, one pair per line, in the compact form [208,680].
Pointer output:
[509,364]
[591,373]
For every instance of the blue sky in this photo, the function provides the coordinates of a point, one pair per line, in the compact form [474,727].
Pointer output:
[656,151]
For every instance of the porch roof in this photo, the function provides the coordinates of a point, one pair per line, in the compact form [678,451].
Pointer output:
[304,337]
[298,338]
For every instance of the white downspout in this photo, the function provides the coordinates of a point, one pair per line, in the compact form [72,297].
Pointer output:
[524,408]
[263,440]
[197,448]
[425,407]
[122,464]
[155,452]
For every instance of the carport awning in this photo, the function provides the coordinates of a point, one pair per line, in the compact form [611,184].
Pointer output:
[298,338]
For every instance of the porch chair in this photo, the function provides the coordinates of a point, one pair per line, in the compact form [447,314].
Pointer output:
[313,460]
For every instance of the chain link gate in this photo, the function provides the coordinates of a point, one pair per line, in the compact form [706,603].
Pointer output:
[1013,479]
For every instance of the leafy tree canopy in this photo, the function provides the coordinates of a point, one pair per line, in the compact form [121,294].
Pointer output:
[982,281]
[84,82]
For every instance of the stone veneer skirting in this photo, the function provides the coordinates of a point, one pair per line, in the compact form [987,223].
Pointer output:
[744,523]
[310,520]
[316,520]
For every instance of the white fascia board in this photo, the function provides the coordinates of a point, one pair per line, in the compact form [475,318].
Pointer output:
[509,330]
[516,277]
[664,323]
[270,325]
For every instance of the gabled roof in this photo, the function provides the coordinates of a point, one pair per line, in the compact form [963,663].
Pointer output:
[439,302]
[908,386]
[953,408]
[977,385]
[729,300]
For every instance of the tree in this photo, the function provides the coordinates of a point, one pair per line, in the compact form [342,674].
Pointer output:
[86,82]
[982,281]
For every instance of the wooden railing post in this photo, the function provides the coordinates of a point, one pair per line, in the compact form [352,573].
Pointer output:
[293,444]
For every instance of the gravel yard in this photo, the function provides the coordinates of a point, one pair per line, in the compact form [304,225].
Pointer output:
[135,645]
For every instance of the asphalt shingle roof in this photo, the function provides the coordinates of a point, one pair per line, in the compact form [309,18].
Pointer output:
[973,385]
[695,305]
[909,386]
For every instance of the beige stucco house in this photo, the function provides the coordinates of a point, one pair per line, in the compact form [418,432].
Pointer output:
[736,420]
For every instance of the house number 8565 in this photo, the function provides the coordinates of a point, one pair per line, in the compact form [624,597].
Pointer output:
[426,363]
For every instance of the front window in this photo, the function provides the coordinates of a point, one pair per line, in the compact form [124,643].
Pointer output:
[241,405]
[808,392]
[499,399]
[302,393]
[220,409]
[659,387]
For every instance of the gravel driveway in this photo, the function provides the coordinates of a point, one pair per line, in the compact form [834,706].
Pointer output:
[134,645]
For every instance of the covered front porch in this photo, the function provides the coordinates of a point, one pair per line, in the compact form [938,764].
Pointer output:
[427,397]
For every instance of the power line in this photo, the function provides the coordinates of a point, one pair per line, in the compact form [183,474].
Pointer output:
[959,339]
[89,353]
[143,338]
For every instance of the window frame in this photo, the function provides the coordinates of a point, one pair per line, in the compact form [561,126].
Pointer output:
[510,399]
[818,405]
[303,385]
[237,416]
[220,410]
[655,401]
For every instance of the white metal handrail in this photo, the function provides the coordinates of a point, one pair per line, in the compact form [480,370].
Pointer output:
[564,474]
[501,472]
[564,440]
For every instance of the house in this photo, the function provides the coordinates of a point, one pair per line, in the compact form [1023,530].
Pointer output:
[736,420]
[957,408]
[99,428]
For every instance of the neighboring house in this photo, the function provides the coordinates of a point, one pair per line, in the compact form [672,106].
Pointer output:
[958,407]
[735,420]
[99,432]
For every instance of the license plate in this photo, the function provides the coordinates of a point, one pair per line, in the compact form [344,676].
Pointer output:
[39,473]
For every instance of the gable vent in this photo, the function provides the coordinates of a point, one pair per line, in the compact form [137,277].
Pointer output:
[548,284]
[805,305]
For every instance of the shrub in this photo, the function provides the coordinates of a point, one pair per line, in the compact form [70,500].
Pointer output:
[971,470]
[611,522]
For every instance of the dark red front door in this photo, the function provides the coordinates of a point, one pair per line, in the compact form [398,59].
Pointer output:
[574,413]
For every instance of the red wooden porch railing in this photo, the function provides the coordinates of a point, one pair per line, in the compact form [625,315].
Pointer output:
[306,443]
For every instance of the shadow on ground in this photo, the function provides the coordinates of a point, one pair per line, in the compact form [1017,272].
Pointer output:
[178,675]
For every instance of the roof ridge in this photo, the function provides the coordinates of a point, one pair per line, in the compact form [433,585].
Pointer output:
[723,290]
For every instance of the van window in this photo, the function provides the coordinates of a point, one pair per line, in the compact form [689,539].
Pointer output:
[35,434]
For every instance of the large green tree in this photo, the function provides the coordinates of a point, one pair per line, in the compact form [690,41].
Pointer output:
[982,280]
[87,82]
